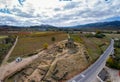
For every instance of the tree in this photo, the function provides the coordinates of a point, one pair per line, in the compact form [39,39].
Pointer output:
[53,39]
[99,35]
[45,45]
[98,32]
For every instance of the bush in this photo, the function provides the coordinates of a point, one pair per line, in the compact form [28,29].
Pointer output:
[117,44]
[53,39]
[45,45]
[10,39]
[113,63]
[99,35]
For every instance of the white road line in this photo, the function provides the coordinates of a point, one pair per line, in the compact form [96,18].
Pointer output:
[73,81]
[82,75]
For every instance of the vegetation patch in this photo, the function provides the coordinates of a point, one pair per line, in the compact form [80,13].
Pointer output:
[2,37]
[114,61]
[95,46]
[6,43]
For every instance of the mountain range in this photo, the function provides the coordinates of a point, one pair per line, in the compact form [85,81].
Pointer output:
[112,25]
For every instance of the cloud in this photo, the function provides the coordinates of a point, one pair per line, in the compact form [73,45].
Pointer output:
[21,2]
[72,5]
[5,10]
[58,13]
[57,9]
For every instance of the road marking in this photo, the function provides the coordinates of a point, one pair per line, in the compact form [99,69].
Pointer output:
[73,81]
[82,75]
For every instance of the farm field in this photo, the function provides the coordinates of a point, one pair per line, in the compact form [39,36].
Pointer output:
[32,43]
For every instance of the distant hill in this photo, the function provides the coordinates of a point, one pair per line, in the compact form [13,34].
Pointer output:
[113,25]
[47,27]
[37,28]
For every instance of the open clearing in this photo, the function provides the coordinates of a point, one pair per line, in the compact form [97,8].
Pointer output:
[31,43]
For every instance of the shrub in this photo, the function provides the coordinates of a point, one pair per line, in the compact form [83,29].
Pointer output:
[45,45]
[113,63]
[53,39]
[117,44]
[99,35]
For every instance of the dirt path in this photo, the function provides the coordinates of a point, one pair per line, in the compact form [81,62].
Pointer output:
[114,74]
[10,51]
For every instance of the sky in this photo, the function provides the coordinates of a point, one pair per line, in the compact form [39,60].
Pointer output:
[57,12]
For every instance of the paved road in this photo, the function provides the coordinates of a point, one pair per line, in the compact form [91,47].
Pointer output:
[89,74]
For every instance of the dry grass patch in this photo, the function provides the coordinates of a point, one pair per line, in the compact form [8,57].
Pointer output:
[92,44]
[113,36]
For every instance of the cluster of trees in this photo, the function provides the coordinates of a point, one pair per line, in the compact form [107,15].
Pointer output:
[97,35]
[5,45]
[114,62]
[117,43]
[118,32]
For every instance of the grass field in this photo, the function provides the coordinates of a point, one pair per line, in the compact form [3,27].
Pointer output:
[32,42]
[2,37]
[113,35]
[92,44]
